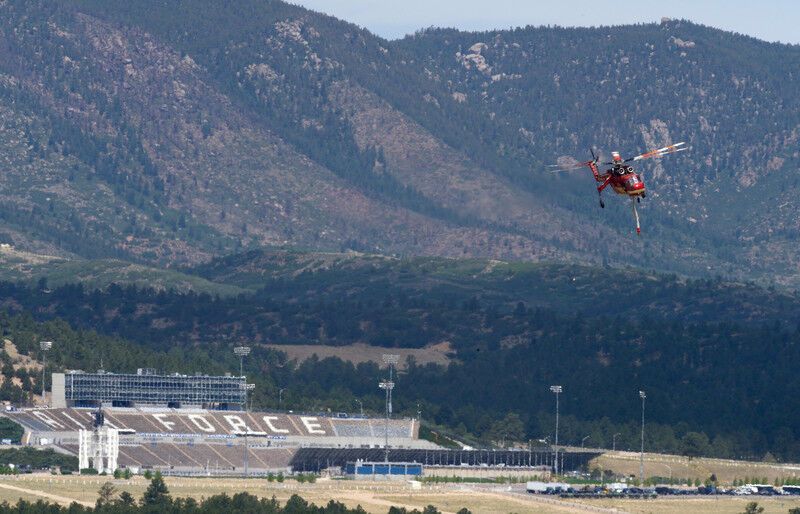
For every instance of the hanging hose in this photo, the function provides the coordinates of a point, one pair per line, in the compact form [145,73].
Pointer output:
[636,216]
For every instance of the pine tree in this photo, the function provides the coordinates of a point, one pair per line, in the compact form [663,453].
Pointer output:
[157,492]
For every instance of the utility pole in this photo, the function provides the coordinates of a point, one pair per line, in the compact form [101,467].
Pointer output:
[246,454]
[45,346]
[280,398]
[247,387]
[643,396]
[614,442]
[557,389]
[360,407]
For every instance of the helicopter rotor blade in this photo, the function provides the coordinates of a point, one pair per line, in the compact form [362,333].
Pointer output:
[554,168]
[559,170]
[660,152]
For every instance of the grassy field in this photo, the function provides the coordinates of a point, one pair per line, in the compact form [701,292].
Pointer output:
[705,505]
[661,465]
[358,353]
[377,497]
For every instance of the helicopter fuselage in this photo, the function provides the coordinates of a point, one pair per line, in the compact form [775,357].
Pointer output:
[622,179]
[627,182]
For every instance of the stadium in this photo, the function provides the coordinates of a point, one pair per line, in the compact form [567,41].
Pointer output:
[197,425]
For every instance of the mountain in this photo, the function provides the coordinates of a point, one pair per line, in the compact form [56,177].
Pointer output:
[729,202]
[169,132]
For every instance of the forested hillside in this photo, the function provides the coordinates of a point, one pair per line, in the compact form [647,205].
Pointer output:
[730,97]
[717,359]
[170,134]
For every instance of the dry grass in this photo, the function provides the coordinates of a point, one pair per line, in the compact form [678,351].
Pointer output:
[627,463]
[374,497]
[377,497]
[358,353]
[19,360]
[10,496]
[486,501]
[705,505]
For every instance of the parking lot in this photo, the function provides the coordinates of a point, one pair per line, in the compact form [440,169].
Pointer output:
[619,490]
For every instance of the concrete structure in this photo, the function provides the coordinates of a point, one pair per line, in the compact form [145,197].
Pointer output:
[79,389]
[98,448]
[208,442]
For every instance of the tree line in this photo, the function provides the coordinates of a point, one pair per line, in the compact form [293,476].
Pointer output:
[157,499]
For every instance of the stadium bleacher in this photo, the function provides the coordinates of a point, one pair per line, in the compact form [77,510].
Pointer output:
[199,456]
[207,441]
[206,422]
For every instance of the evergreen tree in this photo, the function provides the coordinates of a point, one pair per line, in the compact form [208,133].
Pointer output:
[157,492]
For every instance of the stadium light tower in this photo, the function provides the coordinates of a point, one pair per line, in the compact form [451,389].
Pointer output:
[643,396]
[247,387]
[241,352]
[386,385]
[614,442]
[557,389]
[45,346]
[391,360]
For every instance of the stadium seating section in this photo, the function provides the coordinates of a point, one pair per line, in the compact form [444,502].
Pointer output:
[205,441]
[205,423]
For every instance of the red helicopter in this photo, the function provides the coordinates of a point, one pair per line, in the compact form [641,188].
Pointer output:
[621,177]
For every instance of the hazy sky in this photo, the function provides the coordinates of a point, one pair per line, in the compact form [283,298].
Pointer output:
[770,20]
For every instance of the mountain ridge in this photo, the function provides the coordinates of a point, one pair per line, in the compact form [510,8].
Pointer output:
[149,135]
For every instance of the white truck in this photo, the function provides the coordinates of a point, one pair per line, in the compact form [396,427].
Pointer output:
[546,487]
